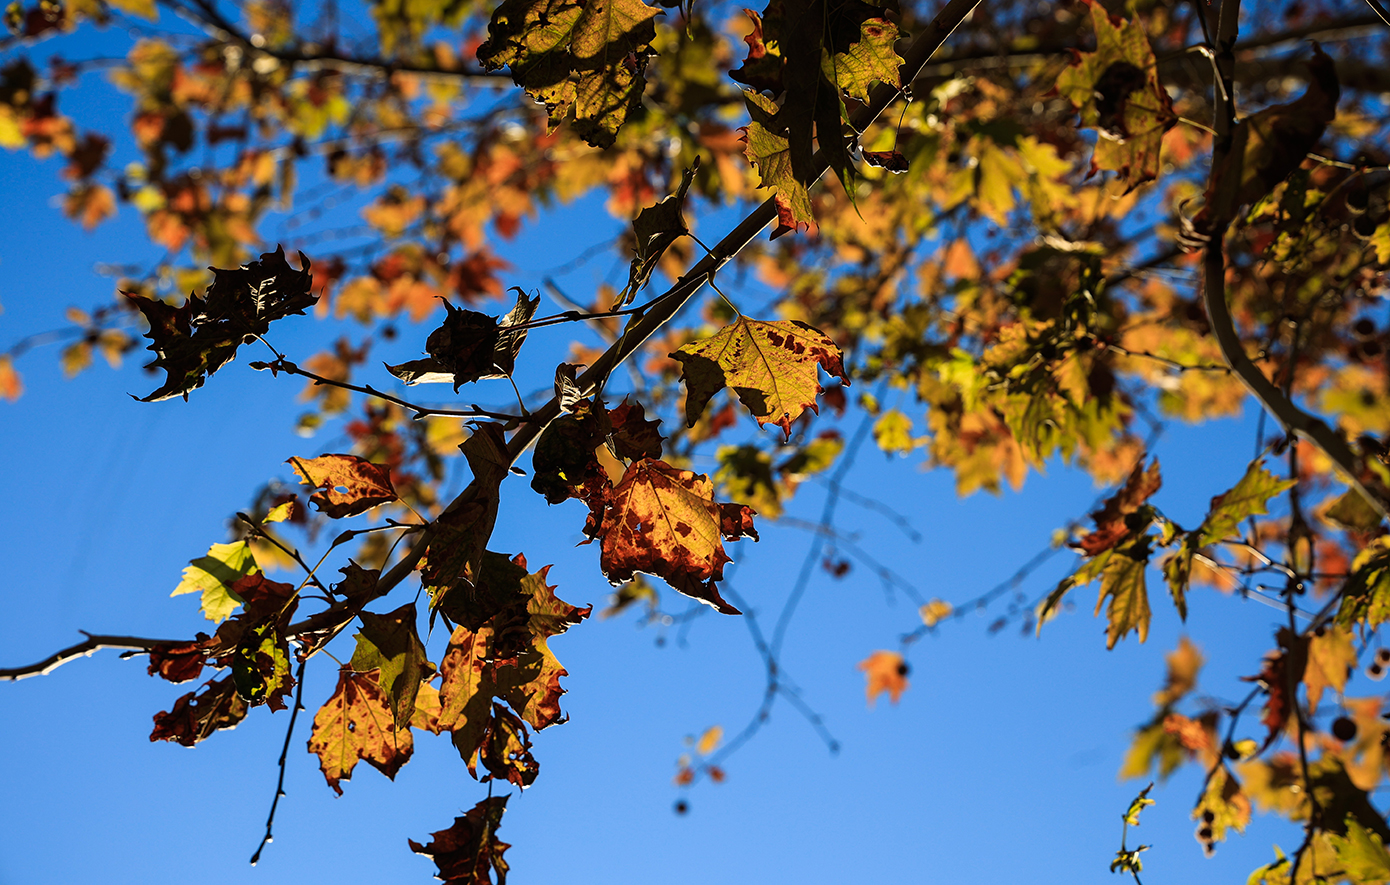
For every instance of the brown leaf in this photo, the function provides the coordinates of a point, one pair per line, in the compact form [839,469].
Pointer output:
[179,662]
[347,485]
[1111,527]
[664,521]
[356,724]
[469,852]
[197,715]
[634,437]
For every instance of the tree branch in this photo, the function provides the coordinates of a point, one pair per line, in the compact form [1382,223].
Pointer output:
[94,643]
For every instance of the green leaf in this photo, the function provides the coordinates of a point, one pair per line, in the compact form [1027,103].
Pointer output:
[1177,571]
[1353,512]
[893,433]
[770,154]
[1361,854]
[869,59]
[390,643]
[213,576]
[1140,802]
[1122,582]
[1249,497]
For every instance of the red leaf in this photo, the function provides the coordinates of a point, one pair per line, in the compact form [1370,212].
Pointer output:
[347,485]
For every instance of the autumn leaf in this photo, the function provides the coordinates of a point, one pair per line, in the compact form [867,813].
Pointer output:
[935,611]
[709,740]
[213,576]
[655,229]
[1122,582]
[469,852]
[634,436]
[1184,663]
[1222,806]
[869,59]
[390,644]
[1248,498]
[589,57]
[1112,523]
[455,553]
[193,341]
[10,385]
[771,366]
[665,522]
[505,750]
[356,724]
[471,346]
[770,153]
[346,485]
[254,642]
[197,715]
[1361,854]
[886,671]
[179,662]
[1283,670]
[1116,88]
[1331,658]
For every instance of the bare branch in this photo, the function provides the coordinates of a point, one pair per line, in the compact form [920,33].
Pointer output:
[94,642]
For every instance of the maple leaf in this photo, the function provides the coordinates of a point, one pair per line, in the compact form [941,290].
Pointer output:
[565,464]
[356,724]
[193,341]
[1184,662]
[1223,806]
[471,346]
[1116,89]
[885,671]
[346,484]
[771,366]
[663,521]
[390,645]
[1283,670]
[869,59]
[212,577]
[469,852]
[198,714]
[505,750]
[655,229]
[588,56]
[179,662]
[1360,853]
[1112,525]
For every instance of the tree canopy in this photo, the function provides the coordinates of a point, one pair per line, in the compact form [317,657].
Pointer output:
[983,238]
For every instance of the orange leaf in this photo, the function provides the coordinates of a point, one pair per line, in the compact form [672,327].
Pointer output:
[356,724]
[885,671]
[347,485]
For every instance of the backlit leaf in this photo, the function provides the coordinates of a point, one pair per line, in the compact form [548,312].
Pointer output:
[1249,497]
[1122,582]
[356,724]
[389,643]
[469,852]
[198,714]
[771,366]
[1331,658]
[885,671]
[345,485]
[213,575]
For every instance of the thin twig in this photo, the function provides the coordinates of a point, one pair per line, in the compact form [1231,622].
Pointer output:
[284,754]
[289,368]
[93,643]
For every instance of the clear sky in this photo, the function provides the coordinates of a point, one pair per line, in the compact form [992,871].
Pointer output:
[999,764]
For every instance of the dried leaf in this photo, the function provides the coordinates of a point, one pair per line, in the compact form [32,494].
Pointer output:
[469,852]
[390,644]
[886,671]
[346,484]
[356,724]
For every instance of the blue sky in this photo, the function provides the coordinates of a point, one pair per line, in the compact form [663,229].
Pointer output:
[998,764]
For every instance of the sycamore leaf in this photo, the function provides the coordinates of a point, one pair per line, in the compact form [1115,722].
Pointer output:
[1366,594]
[664,521]
[1116,88]
[1331,658]
[254,642]
[194,341]
[565,464]
[214,574]
[770,365]
[1361,854]
[390,644]
[532,685]
[467,688]
[1140,802]
[356,724]
[1177,571]
[1249,497]
[885,671]
[198,714]
[585,55]
[655,229]
[469,852]
[1122,582]
[1353,512]
[1282,670]
[506,750]
[179,662]
[346,484]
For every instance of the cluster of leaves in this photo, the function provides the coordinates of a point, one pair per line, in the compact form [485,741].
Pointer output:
[1002,256]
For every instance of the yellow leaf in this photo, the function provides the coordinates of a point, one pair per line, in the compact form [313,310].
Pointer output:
[935,611]
[709,740]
